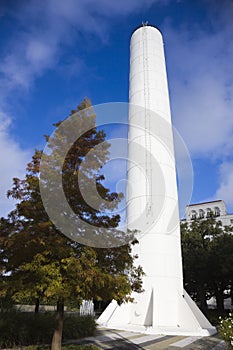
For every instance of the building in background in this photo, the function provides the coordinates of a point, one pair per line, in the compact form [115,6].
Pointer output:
[206,209]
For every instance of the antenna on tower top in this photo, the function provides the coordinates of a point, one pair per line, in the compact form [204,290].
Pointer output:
[144,24]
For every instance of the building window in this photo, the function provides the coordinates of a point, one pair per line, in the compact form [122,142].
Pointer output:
[193,214]
[208,212]
[216,211]
[201,214]
[231,221]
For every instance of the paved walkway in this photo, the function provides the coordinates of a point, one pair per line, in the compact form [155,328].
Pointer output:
[119,340]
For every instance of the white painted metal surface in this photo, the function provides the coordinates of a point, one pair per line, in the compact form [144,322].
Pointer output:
[152,202]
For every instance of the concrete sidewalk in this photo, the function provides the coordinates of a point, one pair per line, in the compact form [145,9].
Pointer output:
[117,340]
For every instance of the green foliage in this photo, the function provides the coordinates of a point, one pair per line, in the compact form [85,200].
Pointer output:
[207,260]
[214,315]
[6,304]
[20,329]
[76,327]
[226,330]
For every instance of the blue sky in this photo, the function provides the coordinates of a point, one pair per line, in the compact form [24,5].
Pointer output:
[54,53]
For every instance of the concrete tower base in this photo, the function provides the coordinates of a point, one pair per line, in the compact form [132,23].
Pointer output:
[157,319]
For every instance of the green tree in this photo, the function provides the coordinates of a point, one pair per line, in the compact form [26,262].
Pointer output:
[42,264]
[207,260]
[221,262]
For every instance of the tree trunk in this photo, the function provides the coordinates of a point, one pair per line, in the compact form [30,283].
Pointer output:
[202,298]
[37,305]
[57,335]
[219,300]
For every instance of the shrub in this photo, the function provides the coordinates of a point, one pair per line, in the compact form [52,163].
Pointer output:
[213,315]
[17,328]
[76,327]
[21,329]
[226,330]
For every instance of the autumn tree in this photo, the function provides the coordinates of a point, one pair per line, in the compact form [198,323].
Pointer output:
[42,264]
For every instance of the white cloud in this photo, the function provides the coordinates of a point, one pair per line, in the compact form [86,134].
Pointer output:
[52,25]
[13,163]
[202,89]
[38,52]
[225,189]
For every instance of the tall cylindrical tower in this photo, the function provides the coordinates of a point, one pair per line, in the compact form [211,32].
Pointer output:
[152,201]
